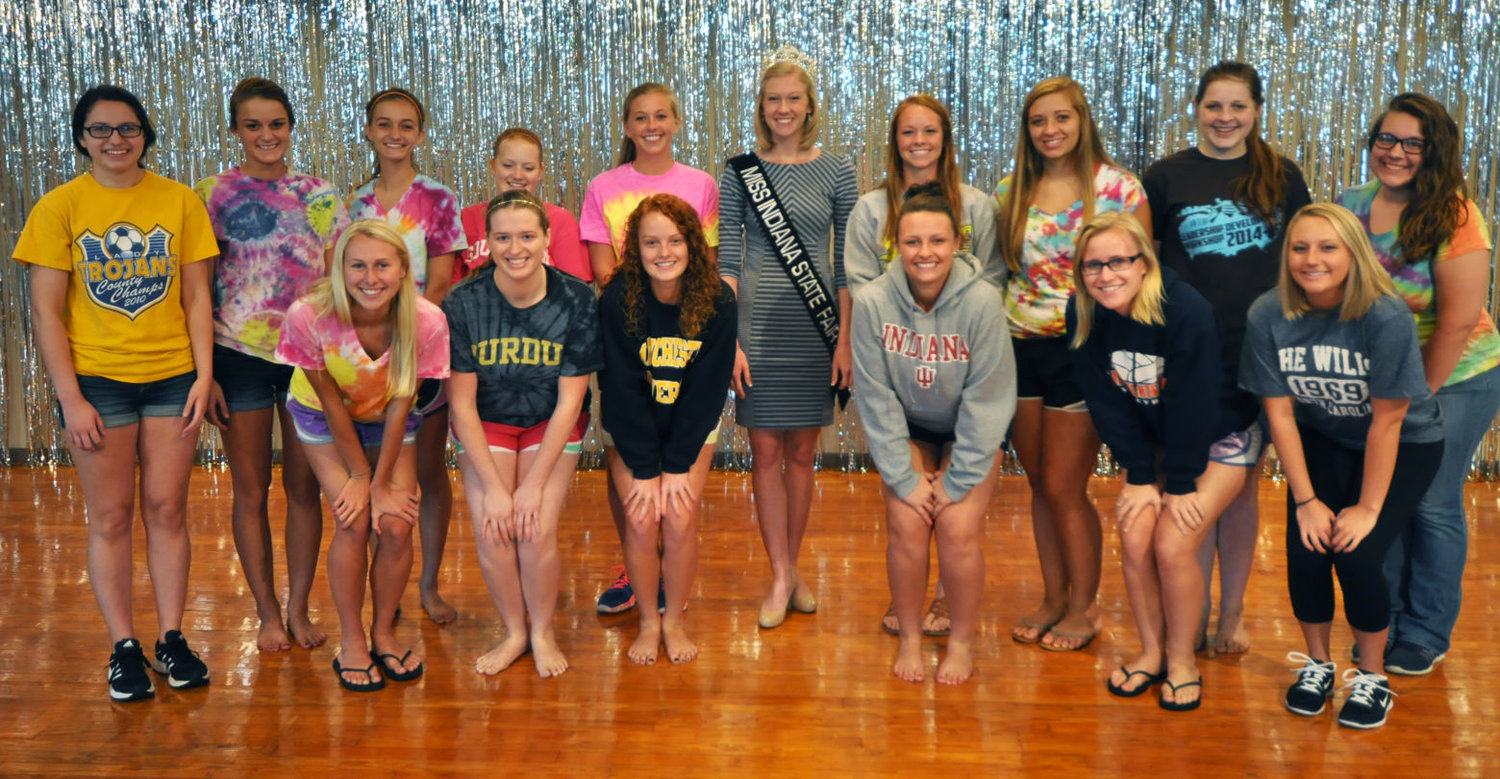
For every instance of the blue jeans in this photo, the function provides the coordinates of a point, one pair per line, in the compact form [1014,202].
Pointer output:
[1425,567]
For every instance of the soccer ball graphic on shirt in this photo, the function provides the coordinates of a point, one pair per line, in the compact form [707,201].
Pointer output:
[1136,373]
[125,242]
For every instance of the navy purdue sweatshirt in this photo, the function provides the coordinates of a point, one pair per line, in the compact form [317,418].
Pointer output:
[1158,389]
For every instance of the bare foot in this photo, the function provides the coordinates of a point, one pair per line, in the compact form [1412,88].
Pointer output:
[273,637]
[548,657]
[646,644]
[438,609]
[304,632]
[1033,626]
[957,664]
[1231,638]
[680,648]
[908,667]
[504,653]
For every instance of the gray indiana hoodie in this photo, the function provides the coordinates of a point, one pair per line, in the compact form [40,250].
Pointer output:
[948,369]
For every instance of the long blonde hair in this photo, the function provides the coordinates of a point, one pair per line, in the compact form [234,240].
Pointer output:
[1147,306]
[331,295]
[1367,281]
[1087,157]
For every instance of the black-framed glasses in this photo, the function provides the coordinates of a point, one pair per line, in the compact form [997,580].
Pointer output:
[102,131]
[1115,264]
[1408,145]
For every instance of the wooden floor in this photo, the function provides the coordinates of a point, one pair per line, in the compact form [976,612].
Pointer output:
[814,697]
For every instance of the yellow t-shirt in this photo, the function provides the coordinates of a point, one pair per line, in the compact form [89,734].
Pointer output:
[124,250]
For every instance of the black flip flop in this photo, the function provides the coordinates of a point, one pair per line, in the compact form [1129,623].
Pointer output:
[397,676]
[1121,691]
[1175,706]
[370,686]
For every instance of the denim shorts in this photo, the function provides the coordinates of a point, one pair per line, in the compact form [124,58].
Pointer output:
[248,382]
[122,403]
[312,427]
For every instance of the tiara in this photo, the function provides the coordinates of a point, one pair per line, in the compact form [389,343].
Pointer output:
[794,55]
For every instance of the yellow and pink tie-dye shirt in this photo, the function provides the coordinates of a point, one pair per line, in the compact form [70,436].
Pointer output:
[427,216]
[1037,296]
[325,343]
[1415,284]
[615,193]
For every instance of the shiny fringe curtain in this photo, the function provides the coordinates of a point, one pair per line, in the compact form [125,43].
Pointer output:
[562,68]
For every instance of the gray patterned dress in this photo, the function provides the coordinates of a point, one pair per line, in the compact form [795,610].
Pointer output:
[789,364]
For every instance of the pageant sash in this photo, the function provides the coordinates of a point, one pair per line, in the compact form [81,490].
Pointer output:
[790,253]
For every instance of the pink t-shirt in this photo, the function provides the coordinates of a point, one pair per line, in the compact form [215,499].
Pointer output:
[313,343]
[565,250]
[613,194]
[426,216]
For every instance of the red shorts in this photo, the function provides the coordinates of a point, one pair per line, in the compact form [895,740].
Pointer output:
[509,438]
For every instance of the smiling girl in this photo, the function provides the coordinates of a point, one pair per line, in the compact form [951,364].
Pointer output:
[785,366]
[516,163]
[1062,177]
[361,342]
[276,228]
[425,213]
[668,329]
[1332,352]
[131,361]
[651,119]
[1432,239]
[1145,350]
[524,339]
[1220,211]
[934,418]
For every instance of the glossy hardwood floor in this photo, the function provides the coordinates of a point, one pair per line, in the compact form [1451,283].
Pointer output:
[814,697]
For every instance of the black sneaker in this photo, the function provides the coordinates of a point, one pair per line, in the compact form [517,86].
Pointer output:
[128,680]
[1314,686]
[179,664]
[1411,660]
[1370,697]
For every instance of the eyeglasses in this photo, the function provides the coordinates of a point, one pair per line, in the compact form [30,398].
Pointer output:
[102,131]
[1408,145]
[1115,264]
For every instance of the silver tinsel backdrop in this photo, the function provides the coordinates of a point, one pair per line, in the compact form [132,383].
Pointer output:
[562,68]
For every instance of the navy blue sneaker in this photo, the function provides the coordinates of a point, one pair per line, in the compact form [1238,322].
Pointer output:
[1370,698]
[178,663]
[619,597]
[1309,695]
[1411,660]
[128,680]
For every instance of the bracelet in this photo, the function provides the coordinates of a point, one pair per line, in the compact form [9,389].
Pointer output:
[1300,504]
[360,475]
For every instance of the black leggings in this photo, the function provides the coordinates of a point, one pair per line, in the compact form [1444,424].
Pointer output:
[1337,473]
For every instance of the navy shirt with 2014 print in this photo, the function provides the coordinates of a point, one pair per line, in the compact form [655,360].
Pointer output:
[1331,369]
[518,353]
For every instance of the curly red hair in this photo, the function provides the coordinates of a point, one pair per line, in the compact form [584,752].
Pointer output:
[700,282]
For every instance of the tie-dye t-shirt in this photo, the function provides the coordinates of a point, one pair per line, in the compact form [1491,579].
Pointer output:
[427,216]
[1037,296]
[313,343]
[1414,281]
[272,235]
[613,194]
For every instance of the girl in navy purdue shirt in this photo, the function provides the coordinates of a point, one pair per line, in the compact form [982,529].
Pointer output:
[668,328]
[524,341]
[1145,349]
[1332,352]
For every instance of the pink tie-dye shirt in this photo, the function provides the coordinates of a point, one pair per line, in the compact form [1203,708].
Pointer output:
[313,343]
[1036,297]
[427,216]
